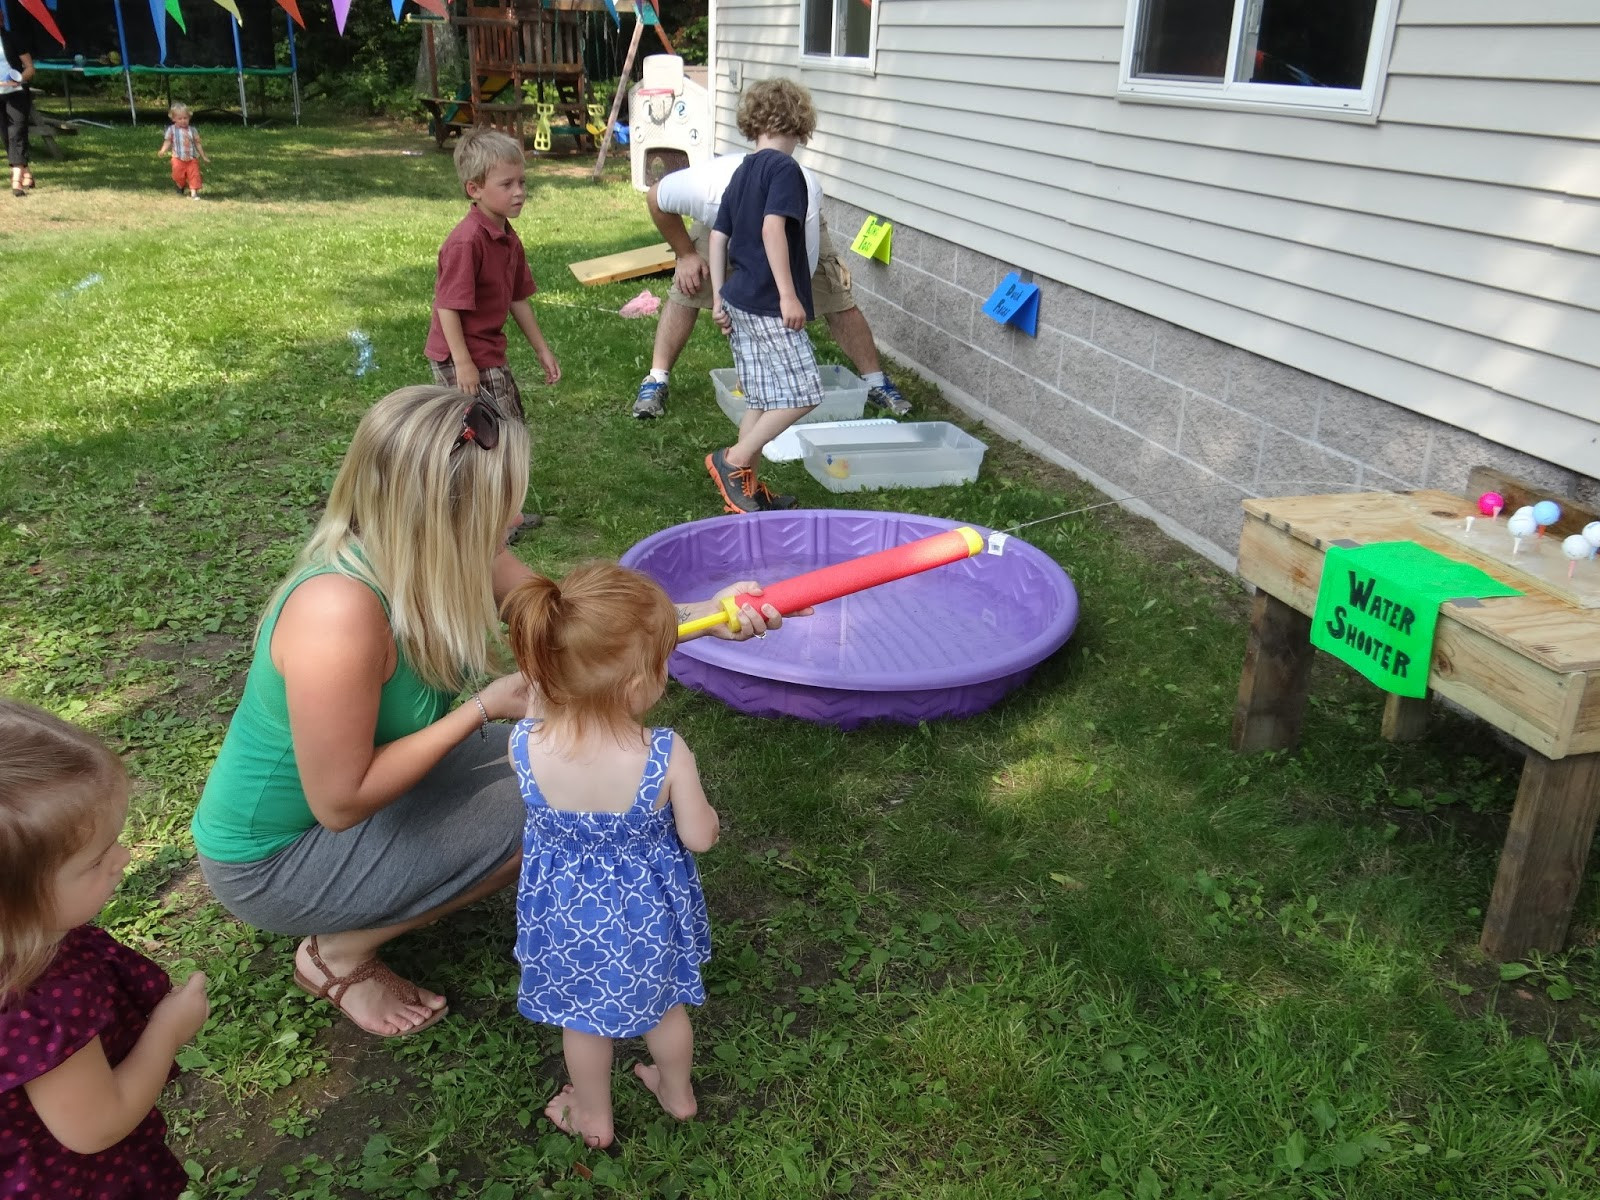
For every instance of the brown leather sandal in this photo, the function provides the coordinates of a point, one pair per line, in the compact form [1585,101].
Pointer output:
[373,969]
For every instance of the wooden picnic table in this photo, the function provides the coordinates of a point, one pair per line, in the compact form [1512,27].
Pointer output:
[43,130]
[1528,665]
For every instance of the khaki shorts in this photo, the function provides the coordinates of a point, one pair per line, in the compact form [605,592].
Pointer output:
[830,283]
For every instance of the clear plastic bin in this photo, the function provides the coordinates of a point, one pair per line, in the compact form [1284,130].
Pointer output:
[844,394]
[908,454]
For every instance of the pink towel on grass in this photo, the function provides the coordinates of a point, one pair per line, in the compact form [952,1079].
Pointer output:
[645,304]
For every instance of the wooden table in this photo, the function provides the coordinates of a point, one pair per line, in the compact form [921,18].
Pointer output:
[1528,665]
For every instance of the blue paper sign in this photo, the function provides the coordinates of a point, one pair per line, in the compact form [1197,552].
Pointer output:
[1015,303]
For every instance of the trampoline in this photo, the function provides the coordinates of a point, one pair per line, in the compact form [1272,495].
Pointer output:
[94,29]
[950,642]
[90,71]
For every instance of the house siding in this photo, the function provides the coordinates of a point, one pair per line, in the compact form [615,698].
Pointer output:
[1237,292]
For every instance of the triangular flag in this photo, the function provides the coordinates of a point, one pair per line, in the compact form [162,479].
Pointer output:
[441,7]
[46,21]
[341,10]
[176,14]
[233,7]
[158,17]
[290,7]
[397,5]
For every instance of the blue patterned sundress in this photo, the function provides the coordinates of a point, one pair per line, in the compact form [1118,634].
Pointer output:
[611,921]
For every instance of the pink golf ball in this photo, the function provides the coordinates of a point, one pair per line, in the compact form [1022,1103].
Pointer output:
[1490,503]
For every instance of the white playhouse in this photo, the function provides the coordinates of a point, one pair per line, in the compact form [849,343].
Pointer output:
[669,121]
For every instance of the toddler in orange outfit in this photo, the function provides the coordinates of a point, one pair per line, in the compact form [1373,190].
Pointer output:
[183,143]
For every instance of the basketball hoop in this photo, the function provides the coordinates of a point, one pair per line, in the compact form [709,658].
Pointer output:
[653,97]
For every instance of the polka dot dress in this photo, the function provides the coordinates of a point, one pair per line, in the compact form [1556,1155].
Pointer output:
[611,921]
[95,987]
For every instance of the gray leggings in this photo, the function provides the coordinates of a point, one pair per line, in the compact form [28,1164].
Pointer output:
[440,839]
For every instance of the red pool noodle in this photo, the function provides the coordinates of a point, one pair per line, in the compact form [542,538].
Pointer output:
[857,574]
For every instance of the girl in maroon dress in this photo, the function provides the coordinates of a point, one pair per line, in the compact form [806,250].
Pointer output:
[88,1027]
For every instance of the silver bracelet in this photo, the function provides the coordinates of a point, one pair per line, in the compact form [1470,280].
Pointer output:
[483,730]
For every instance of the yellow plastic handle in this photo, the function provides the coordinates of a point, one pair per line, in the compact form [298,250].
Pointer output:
[729,616]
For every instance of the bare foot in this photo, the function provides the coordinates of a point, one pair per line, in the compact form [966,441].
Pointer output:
[381,1003]
[563,1112]
[682,1106]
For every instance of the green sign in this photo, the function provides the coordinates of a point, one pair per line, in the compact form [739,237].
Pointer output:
[1379,604]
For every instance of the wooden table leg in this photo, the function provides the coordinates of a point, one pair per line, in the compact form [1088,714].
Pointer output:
[1541,867]
[1405,718]
[1277,673]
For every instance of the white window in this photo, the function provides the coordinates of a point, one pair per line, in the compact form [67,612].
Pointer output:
[838,33]
[1286,54]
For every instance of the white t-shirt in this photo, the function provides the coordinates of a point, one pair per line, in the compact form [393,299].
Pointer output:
[696,193]
[10,77]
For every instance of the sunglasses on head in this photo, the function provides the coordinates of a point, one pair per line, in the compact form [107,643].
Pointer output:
[480,424]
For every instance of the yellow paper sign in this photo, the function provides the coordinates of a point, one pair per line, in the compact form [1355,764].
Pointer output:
[875,239]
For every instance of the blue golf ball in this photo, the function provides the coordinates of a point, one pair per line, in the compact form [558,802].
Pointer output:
[1547,512]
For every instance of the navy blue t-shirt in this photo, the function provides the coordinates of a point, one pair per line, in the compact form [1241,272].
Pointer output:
[768,182]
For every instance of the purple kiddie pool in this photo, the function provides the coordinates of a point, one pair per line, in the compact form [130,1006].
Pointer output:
[949,642]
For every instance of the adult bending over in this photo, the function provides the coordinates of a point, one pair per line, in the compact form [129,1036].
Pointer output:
[353,800]
[696,193]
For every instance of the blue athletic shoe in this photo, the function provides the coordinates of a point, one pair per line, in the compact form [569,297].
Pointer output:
[651,401]
[885,396]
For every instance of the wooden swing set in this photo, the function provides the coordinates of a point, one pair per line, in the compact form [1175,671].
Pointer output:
[525,71]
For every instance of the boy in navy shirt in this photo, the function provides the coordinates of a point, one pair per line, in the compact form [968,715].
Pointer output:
[764,305]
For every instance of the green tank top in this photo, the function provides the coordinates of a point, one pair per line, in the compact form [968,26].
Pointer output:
[253,804]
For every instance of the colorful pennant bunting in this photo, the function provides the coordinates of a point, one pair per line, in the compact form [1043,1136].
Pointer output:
[42,15]
[397,5]
[290,7]
[341,10]
[440,7]
[233,7]
[176,14]
[158,18]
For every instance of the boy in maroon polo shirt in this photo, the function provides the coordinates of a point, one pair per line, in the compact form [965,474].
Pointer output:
[483,275]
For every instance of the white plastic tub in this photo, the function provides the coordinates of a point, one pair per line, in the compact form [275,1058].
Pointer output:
[844,395]
[908,454]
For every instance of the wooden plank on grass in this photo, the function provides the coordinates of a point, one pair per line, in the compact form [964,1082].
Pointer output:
[630,264]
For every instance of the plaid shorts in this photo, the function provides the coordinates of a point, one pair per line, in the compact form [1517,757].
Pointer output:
[830,282]
[777,367]
[494,383]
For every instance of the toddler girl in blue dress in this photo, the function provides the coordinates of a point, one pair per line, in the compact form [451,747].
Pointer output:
[611,921]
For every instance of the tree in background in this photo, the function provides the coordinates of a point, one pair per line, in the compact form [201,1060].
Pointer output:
[371,68]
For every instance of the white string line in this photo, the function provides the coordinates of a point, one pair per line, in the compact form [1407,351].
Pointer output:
[1072,512]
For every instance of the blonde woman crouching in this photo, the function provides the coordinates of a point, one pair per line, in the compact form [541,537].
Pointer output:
[353,799]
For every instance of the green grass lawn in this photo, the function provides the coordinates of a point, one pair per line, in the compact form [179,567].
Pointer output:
[1072,947]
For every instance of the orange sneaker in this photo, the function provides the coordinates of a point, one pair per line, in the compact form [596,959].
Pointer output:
[771,501]
[737,484]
